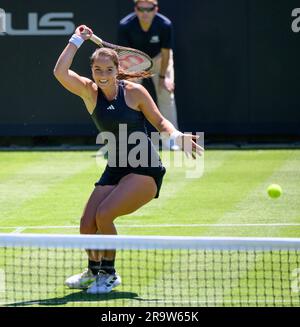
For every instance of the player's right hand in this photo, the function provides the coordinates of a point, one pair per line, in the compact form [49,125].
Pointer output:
[84,32]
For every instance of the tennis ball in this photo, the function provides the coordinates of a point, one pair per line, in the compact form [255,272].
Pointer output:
[274,191]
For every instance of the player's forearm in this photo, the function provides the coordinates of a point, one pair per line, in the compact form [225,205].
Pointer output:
[165,127]
[65,60]
[168,132]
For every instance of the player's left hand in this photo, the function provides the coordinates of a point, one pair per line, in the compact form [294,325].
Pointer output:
[187,142]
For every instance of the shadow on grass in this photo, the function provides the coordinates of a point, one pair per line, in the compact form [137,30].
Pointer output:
[80,297]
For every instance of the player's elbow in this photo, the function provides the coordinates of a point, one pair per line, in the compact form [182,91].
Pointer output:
[58,73]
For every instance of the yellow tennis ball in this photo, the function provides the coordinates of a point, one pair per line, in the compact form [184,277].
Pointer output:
[274,191]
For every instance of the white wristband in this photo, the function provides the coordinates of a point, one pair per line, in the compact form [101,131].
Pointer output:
[76,40]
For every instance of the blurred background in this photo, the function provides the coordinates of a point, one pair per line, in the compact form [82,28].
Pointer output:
[236,65]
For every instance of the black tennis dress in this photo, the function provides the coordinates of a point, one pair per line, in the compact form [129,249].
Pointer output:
[124,131]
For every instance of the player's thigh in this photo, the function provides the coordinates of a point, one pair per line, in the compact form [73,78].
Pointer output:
[88,218]
[132,192]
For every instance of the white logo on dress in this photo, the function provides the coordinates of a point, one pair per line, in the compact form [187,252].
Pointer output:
[154,39]
[111,108]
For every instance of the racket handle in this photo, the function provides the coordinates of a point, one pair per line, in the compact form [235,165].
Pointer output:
[96,40]
[93,38]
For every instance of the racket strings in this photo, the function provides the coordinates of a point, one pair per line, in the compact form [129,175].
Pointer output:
[131,60]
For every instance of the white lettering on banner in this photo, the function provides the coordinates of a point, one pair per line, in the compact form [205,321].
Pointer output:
[2,20]
[296,22]
[53,23]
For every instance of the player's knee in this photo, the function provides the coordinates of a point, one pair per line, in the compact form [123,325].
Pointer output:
[87,226]
[104,215]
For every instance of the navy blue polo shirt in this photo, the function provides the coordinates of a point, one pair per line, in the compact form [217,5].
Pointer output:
[160,34]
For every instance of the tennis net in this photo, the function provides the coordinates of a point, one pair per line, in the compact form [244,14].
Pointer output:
[155,271]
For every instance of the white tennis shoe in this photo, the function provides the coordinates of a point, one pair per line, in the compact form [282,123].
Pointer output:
[81,281]
[104,283]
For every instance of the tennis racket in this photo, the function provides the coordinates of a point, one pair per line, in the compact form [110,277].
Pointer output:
[131,60]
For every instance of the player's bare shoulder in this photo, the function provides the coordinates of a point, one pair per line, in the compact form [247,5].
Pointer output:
[136,90]
[135,94]
[132,87]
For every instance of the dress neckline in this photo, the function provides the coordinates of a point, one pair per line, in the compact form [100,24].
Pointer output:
[117,93]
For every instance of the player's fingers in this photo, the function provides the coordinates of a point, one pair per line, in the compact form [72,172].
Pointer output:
[199,151]
[199,148]
[85,32]
[80,29]
[186,154]
[192,138]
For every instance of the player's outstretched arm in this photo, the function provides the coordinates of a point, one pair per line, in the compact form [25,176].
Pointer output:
[73,82]
[187,142]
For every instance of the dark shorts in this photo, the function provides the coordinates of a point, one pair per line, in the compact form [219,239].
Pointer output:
[112,176]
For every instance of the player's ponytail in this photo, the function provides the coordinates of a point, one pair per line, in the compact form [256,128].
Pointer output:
[132,76]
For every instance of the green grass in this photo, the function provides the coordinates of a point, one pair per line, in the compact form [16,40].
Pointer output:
[50,189]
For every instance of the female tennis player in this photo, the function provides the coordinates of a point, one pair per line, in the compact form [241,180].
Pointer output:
[111,99]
